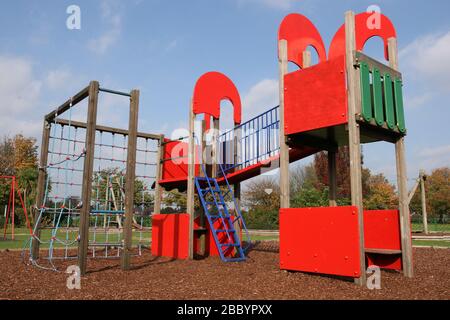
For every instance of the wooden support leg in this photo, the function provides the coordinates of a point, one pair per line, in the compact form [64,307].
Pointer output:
[332,177]
[87,177]
[354,137]
[40,192]
[402,181]
[284,148]
[130,180]
[190,182]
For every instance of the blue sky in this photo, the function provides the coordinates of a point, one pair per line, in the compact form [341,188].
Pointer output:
[162,47]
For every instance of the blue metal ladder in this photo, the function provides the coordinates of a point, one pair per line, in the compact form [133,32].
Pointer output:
[229,247]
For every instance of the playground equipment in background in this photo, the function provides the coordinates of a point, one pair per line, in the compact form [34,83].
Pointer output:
[347,98]
[10,208]
[420,181]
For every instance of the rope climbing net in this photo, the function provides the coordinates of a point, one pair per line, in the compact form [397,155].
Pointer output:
[57,224]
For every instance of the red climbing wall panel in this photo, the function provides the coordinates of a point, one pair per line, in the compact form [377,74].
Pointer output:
[382,231]
[320,240]
[316,97]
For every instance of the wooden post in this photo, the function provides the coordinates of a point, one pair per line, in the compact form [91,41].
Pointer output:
[354,104]
[158,176]
[202,237]
[284,148]
[88,169]
[332,181]
[424,202]
[402,182]
[40,192]
[190,182]
[130,180]
[306,59]
[214,147]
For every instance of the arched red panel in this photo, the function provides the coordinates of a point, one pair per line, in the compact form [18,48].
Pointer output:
[301,33]
[363,34]
[210,89]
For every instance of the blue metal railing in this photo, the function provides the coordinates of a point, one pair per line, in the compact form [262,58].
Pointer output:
[250,142]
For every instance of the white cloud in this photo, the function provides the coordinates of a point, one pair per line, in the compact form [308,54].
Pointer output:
[427,59]
[19,89]
[19,92]
[418,100]
[58,79]
[431,158]
[111,16]
[261,97]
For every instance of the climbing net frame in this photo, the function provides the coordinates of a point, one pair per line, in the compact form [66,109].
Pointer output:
[94,195]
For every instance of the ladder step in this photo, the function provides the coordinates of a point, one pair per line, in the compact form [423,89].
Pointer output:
[230,245]
[223,230]
[234,259]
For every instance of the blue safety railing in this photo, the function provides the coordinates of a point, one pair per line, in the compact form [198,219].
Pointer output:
[250,142]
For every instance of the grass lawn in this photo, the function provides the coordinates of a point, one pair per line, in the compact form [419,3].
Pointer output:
[22,236]
[433,243]
[432,227]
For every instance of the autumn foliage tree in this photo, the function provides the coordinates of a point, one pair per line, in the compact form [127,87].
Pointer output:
[18,157]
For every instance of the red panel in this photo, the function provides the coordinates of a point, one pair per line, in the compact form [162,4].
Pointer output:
[177,169]
[316,97]
[300,33]
[210,90]
[382,231]
[170,235]
[320,240]
[363,34]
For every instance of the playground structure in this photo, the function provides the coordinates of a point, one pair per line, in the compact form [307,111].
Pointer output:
[420,181]
[87,185]
[10,208]
[347,99]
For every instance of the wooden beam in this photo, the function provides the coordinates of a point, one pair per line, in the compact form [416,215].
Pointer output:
[190,182]
[40,192]
[159,173]
[130,180]
[284,148]
[402,182]
[361,57]
[214,147]
[424,202]
[202,237]
[354,104]
[78,124]
[80,96]
[332,181]
[87,177]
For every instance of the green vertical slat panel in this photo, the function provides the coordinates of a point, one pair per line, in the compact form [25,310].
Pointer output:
[378,97]
[366,97]
[389,101]
[399,111]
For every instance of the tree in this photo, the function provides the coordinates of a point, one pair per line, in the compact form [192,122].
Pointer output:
[342,173]
[381,194]
[18,157]
[262,194]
